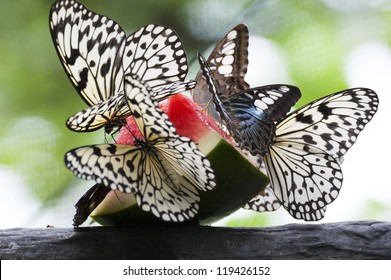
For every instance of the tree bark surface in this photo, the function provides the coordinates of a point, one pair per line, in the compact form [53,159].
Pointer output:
[345,240]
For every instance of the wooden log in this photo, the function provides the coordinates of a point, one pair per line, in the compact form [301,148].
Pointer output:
[345,240]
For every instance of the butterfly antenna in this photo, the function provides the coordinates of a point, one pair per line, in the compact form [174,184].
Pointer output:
[105,135]
[112,137]
[118,198]
[130,131]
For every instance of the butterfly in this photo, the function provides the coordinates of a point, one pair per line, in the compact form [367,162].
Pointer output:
[303,162]
[228,61]
[164,170]
[96,54]
[250,115]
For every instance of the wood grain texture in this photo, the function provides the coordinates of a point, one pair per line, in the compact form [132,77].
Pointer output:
[346,240]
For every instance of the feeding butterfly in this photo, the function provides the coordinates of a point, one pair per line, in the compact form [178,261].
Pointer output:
[96,55]
[164,171]
[228,62]
[250,115]
[303,163]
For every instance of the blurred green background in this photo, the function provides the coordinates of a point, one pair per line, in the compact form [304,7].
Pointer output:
[319,46]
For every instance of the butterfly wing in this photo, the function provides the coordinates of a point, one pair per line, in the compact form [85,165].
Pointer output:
[250,115]
[304,178]
[88,202]
[90,47]
[266,201]
[228,62]
[101,114]
[155,55]
[106,164]
[187,161]
[171,89]
[333,122]
[229,58]
[163,192]
[303,163]
[311,215]
[213,89]
[150,119]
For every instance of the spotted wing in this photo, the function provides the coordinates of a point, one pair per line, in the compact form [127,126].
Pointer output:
[90,47]
[265,202]
[229,58]
[333,122]
[134,170]
[268,202]
[104,113]
[251,115]
[174,88]
[303,163]
[155,54]
[228,62]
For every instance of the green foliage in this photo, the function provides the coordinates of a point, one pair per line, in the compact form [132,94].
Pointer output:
[375,210]
[253,220]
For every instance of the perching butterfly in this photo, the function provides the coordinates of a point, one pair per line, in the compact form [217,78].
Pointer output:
[250,115]
[228,62]
[164,171]
[96,55]
[303,162]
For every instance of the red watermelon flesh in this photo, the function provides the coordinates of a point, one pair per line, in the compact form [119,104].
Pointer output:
[186,116]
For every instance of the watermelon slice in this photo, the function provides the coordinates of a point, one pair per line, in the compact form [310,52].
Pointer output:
[238,180]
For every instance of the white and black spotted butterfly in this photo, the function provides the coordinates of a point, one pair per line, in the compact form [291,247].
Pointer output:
[228,62]
[96,55]
[164,171]
[303,163]
[250,115]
